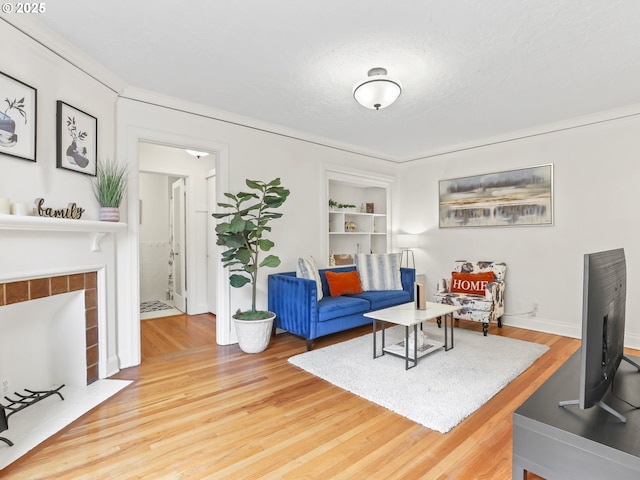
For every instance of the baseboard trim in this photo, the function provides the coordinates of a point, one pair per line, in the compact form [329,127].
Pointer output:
[559,328]
[112,366]
[543,325]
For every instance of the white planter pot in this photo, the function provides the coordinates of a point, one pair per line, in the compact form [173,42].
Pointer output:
[254,335]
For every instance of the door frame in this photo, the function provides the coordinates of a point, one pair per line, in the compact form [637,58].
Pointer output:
[128,272]
[212,263]
[181,186]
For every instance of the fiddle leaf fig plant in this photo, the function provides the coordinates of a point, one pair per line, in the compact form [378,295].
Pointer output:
[243,231]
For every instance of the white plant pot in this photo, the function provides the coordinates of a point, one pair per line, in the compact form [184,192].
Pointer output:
[254,335]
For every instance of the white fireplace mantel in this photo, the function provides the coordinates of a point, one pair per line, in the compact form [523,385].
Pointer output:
[97,229]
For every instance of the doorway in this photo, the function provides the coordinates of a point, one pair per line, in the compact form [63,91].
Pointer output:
[174,243]
[134,142]
[162,245]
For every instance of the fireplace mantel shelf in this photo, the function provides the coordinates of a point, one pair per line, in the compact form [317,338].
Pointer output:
[32,223]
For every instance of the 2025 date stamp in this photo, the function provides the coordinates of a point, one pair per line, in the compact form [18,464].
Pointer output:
[26,8]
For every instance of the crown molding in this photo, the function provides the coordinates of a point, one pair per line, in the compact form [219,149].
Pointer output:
[583,121]
[49,40]
[161,100]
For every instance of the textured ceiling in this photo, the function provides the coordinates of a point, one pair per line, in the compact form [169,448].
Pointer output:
[469,69]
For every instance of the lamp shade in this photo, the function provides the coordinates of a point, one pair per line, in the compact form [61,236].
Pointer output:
[407,240]
[377,91]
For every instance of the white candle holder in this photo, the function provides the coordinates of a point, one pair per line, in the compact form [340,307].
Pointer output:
[19,208]
[5,206]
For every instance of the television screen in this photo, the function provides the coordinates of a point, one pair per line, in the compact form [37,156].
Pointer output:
[603,318]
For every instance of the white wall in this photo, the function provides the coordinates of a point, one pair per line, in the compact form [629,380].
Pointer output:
[24,181]
[154,236]
[249,153]
[596,194]
[155,191]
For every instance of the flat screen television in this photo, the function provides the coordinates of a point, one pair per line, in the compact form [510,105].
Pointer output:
[603,317]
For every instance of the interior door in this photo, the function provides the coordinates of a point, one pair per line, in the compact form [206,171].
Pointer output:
[178,245]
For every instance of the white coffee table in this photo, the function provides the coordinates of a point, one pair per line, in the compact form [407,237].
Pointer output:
[408,315]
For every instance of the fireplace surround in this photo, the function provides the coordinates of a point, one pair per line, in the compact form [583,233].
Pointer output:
[65,269]
[25,290]
[44,257]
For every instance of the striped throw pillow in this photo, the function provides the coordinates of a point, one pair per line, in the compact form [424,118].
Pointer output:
[379,271]
[308,268]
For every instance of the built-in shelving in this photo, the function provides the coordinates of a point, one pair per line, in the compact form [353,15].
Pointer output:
[354,230]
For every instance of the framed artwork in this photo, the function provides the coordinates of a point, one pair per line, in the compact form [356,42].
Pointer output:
[77,134]
[513,197]
[17,118]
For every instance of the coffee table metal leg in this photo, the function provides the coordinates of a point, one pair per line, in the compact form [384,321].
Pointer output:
[383,326]
[375,335]
[406,348]
[414,360]
[446,333]
[448,319]
[451,315]
[415,344]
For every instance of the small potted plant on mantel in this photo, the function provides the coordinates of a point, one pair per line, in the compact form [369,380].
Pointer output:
[109,186]
[243,235]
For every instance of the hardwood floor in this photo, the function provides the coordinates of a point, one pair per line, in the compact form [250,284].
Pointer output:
[201,411]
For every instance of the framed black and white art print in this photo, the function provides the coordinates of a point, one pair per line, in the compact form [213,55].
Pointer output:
[17,118]
[77,144]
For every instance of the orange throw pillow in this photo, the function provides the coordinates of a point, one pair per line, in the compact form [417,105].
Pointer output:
[470,283]
[343,283]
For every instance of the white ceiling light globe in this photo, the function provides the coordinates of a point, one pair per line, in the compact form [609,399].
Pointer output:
[377,91]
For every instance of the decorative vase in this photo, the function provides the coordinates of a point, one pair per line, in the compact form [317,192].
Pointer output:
[254,335]
[109,214]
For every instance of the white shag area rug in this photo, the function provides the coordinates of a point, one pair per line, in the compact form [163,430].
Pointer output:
[444,388]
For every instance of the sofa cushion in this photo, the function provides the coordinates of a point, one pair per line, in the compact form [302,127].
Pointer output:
[323,276]
[379,271]
[384,298]
[308,268]
[334,307]
[343,283]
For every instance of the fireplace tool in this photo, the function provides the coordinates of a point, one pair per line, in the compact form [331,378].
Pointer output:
[22,402]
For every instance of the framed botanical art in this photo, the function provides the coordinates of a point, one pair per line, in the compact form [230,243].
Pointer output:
[17,118]
[513,197]
[77,144]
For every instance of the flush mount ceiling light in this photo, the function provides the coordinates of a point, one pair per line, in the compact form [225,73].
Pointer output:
[377,91]
[197,154]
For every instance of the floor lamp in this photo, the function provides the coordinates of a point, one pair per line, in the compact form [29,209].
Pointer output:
[407,241]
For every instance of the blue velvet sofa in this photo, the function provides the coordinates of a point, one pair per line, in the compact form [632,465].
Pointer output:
[294,301]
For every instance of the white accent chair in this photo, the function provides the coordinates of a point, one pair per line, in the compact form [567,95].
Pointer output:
[479,308]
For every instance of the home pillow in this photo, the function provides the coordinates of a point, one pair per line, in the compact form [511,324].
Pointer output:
[470,283]
[379,271]
[308,268]
[343,283]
